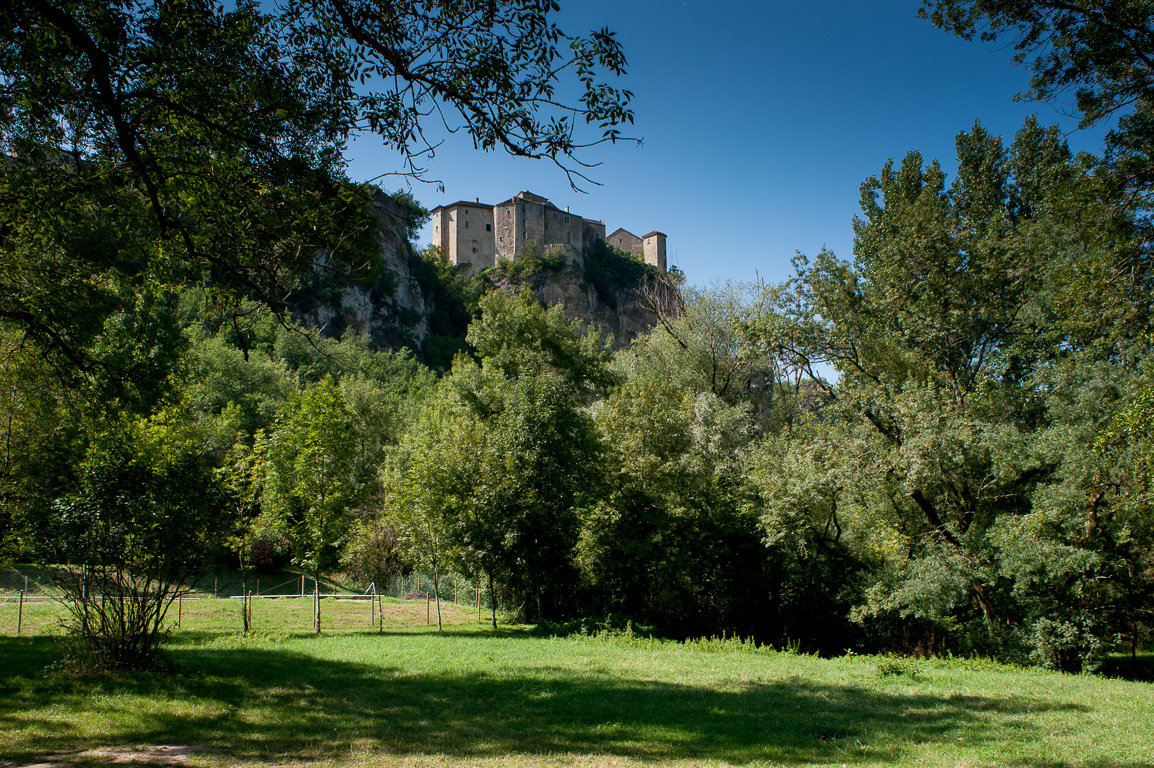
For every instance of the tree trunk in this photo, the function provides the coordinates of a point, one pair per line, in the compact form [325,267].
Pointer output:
[940,530]
[317,603]
[492,601]
[244,598]
[437,594]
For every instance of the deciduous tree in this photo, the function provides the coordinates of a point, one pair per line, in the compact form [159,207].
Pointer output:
[310,487]
[973,384]
[189,142]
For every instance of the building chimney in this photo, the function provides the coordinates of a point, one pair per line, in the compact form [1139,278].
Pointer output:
[477,199]
[566,209]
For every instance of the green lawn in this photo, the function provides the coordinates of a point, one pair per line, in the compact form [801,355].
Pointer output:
[473,697]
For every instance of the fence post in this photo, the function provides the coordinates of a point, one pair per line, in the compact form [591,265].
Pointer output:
[20,614]
[214,580]
[428,610]
[179,608]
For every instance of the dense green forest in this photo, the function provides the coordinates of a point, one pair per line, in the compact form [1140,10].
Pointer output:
[939,444]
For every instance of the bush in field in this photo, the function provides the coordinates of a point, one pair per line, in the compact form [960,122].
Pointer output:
[142,525]
[371,554]
[269,552]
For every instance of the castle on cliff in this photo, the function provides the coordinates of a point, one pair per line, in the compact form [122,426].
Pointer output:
[476,235]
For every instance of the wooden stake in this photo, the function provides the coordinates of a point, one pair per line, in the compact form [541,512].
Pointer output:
[20,614]
[428,611]
[213,587]
[179,608]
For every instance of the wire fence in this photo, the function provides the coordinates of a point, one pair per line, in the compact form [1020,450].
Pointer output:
[36,604]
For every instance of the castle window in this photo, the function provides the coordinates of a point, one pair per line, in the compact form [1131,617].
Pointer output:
[466,225]
[566,219]
[474,250]
[488,227]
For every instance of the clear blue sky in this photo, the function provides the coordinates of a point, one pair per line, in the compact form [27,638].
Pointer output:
[760,121]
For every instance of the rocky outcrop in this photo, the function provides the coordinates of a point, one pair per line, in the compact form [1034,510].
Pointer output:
[621,314]
[391,307]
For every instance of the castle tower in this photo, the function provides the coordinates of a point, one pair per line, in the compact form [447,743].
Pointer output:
[529,218]
[464,231]
[653,249]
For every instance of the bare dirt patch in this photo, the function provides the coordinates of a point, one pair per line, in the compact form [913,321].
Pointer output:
[152,754]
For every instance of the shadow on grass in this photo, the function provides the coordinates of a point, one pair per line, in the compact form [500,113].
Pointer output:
[261,702]
[1127,667]
[1077,764]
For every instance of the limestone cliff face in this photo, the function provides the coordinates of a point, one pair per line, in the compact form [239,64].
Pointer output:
[620,314]
[392,308]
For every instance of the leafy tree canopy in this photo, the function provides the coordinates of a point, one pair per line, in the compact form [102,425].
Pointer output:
[190,142]
[975,372]
[1103,51]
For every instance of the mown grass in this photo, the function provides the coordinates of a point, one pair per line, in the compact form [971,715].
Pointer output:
[409,696]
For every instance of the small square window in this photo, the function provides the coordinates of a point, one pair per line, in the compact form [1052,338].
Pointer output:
[488,227]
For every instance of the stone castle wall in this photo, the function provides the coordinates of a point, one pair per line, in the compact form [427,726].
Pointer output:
[475,235]
[466,230]
[393,310]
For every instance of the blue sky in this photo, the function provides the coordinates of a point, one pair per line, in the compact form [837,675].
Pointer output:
[760,121]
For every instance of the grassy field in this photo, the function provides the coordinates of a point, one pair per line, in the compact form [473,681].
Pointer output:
[470,696]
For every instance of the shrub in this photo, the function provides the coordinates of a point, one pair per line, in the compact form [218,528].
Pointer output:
[1065,645]
[529,264]
[144,522]
[370,554]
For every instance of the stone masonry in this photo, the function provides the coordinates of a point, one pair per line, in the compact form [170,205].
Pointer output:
[475,235]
